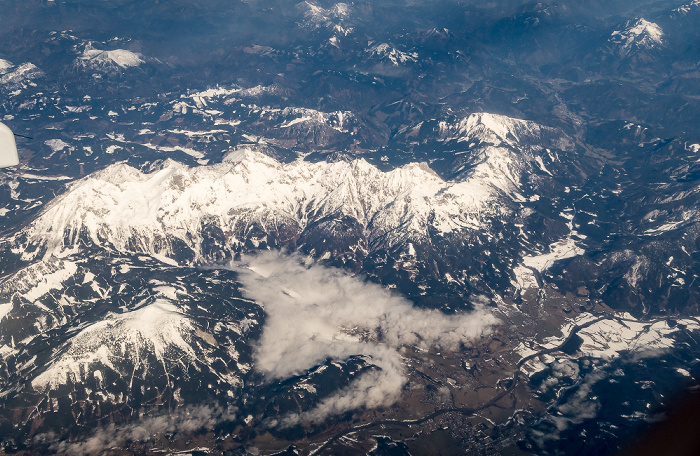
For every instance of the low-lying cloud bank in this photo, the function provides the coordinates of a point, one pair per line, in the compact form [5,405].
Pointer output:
[185,420]
[316,313]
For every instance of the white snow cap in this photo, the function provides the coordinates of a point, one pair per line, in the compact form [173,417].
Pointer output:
[115,59]
[8,148]
[639,34]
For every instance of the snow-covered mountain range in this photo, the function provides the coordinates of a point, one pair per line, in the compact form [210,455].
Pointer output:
[126,209]
[122,207]
[104,60]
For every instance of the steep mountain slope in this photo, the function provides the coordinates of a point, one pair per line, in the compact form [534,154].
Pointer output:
[638,36]
[348,212]
[105,337]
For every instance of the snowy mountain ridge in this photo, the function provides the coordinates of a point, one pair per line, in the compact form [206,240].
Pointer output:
[19,77]
[490,128]
[638,35]
[109,60]
[502,149]
[249,192]
[315,16]
[155,328]
[130,210]
[390,53]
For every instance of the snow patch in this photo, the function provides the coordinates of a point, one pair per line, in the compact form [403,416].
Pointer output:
[5,65]
[57,145]
[316,16]
[688,7]
[21,77]
[51,281]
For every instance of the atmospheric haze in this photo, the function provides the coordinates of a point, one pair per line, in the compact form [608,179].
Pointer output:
[317,313]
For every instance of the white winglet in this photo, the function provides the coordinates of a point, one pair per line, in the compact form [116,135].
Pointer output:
[8,148]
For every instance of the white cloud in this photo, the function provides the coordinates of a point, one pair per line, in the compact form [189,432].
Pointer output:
[187,420]
[316,313]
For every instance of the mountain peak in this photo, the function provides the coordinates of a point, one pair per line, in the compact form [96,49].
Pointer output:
[248,154]
[638,34]
[157,328]
[109,60]
[489,128]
